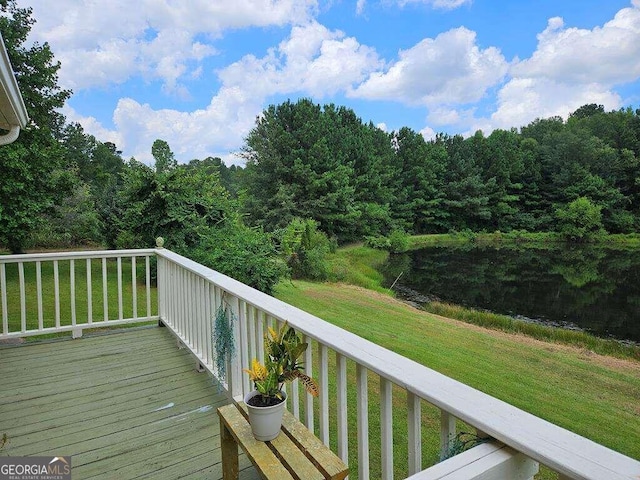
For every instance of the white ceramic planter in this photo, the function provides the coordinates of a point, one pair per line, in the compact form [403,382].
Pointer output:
[265,421]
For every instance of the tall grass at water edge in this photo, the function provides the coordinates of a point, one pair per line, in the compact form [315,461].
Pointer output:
[565,336]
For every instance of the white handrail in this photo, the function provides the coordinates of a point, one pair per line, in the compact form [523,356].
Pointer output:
[30,257]
[33,308]
[563,451]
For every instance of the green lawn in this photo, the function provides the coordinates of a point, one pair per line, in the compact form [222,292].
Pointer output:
[97,303]
[594,396]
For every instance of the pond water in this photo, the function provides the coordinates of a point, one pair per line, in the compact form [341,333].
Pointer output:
[594,289]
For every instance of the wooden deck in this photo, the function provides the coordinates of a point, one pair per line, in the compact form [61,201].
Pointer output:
[123,405]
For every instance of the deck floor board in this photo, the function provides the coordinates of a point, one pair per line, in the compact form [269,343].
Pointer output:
[123,405]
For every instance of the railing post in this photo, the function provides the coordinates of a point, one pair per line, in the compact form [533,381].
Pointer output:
[39,296]
[3,292]
[160,283]
[308,398]
[244,361]
[324,393]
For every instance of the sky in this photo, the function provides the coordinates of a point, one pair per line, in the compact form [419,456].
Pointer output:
[197,73]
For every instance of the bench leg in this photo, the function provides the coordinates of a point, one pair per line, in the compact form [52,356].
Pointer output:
[229,449]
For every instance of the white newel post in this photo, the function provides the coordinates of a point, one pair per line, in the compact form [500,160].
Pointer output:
[160,282]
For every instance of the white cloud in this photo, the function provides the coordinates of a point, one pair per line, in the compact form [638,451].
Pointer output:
[428,133]
[448,69]
[606,55]
[443,116]
[313,60]
[105,45]
[569,68]
[92,126]
[522,100]
[441,4]
[169,40]
[214,131]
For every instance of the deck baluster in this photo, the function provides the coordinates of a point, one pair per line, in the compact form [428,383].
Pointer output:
[39,295]
[89,292]
[324,393]
[414,433]
[363,422]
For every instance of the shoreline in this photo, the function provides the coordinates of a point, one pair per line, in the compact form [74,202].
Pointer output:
[362,272]
[421,302]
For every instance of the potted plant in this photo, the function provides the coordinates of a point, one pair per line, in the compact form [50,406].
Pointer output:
[266,403]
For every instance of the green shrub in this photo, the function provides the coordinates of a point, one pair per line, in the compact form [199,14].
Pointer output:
[246,254]
[305,249]
[398,241]
[580,220]
[381,243]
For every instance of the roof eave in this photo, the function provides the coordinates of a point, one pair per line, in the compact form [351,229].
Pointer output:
[12,109]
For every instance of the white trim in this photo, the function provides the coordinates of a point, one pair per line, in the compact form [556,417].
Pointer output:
[14,113]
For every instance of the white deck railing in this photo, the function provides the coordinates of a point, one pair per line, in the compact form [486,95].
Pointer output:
[346,365]
[189,293]
[54,307]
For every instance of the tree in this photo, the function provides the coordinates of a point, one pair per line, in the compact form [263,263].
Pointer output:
[503,164]
[73,222]
[178,205]
[164,157]
[301,163]
[305,248]
[466,201]
[229,176]
[588,110]
[31,182]
[246,254]
[193,212]
[419,197]
[580,220]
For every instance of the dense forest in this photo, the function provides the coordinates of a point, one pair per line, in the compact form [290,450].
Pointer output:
[314,177]
[308,161]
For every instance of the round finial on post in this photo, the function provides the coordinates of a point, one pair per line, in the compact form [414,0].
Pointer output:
[159,242]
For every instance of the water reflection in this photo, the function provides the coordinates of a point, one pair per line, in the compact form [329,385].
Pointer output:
[595,288]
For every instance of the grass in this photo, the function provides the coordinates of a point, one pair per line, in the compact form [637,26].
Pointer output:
[357,265]
[594,396]
[80,290]
[517,238]
[541,332]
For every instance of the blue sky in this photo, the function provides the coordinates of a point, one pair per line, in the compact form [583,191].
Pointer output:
[196,73]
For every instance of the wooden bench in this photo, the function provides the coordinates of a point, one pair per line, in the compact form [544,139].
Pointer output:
[294,454]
